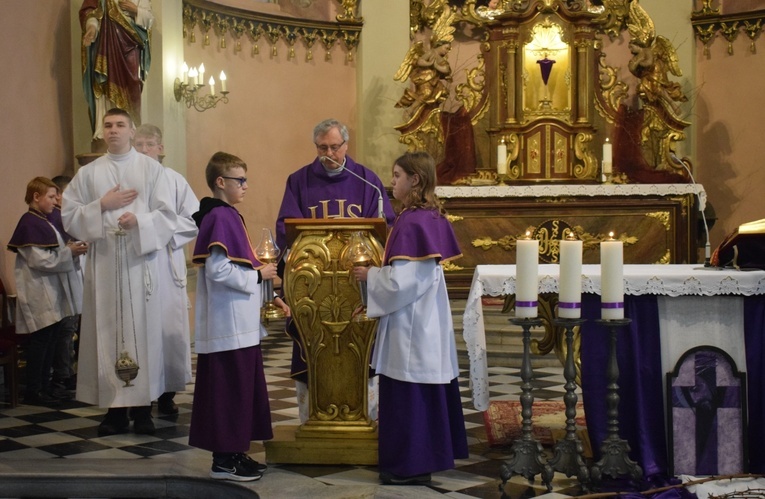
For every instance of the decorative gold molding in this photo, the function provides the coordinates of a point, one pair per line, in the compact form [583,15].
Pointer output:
[708,23]
[232,23]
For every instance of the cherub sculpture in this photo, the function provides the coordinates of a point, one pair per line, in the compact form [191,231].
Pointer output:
[653,57]
[428,69]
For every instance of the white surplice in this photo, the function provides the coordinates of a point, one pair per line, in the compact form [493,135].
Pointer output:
[415,336]
[176,335]
[135,326]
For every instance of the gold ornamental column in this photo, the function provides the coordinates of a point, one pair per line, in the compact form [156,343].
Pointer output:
[323,296]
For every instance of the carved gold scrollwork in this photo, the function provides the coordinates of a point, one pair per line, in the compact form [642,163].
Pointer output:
[708,22]
[661,216]
[549,233]
[323,296]
[228,21]
[584,152]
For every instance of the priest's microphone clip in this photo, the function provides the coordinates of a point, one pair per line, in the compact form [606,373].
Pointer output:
[380,209]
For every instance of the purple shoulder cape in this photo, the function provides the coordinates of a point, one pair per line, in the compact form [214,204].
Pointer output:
[420,234]
[220,224]
[34,229]
[58,223]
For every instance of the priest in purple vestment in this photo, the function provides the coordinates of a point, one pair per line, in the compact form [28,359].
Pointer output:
[329,187]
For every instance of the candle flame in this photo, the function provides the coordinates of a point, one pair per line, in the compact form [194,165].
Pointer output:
[611,235]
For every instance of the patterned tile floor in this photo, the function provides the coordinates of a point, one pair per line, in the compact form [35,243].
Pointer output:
[69,431]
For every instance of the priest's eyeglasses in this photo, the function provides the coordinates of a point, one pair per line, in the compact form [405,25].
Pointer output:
[241,180]
[334,148]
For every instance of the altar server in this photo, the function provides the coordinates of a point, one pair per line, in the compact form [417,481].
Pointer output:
[422,429]
[121,203]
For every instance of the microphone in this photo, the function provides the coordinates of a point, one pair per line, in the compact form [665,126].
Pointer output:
[380,210]
[707,247]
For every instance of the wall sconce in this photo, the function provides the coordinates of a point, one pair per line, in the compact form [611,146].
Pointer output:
[190,84]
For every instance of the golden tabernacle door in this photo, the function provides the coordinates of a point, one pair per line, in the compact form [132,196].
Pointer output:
[323,296]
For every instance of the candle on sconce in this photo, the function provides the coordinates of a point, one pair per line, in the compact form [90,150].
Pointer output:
[185,73]
[201,80]
[570,282]
[526,276]
[212,85]
[193,76]
[607,157]
[611,279]
[222,79]
[502,157]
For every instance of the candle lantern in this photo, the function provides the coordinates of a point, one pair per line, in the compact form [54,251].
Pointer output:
[527,276]
[612,279]
[570,284]
[268,252]
[359,254]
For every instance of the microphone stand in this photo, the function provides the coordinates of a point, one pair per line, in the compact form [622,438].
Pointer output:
[707,246]
[380,210]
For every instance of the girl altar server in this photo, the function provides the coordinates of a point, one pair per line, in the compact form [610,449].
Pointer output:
[421,425]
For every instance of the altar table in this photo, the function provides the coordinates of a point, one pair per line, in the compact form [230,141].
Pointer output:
[673,308]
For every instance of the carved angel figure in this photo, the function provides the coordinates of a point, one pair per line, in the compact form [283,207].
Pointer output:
[428,69]
[653,57]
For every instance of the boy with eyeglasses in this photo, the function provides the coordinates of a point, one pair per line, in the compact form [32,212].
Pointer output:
[231,405]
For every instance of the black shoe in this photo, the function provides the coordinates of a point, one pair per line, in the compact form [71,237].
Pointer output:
[249,462]
[59,393]
[232,468]
[114,423]
[143,424]
[41,398]
[165,404]
[391,479]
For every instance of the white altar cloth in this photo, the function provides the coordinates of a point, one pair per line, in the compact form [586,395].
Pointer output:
[685,321]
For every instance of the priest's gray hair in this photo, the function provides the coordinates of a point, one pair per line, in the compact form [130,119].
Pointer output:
[325,126]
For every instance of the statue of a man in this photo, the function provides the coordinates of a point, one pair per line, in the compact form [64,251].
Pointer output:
[115,56]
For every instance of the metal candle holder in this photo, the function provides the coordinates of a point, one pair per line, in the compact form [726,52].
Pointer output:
[614,450]
[527,452]
[568,457]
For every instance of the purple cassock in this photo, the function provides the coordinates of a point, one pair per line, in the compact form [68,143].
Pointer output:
[37,229]
[231,379]
[312,193]
[421,425]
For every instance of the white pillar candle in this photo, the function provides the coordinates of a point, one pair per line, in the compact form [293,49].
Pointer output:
[611,279]
[570,282]
[526,276]
[222,79]
[502,158]
[607,157]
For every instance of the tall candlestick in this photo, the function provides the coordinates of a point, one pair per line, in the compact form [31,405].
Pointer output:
[185,73]
[502,157]
[212,85]
[526,276]
[611,279]
[570,283]
[201,80]
[607,157]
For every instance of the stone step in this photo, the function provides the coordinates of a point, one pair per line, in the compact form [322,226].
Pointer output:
[504,340]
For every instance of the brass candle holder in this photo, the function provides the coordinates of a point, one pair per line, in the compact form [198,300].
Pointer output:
[268,252]
[359,254]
